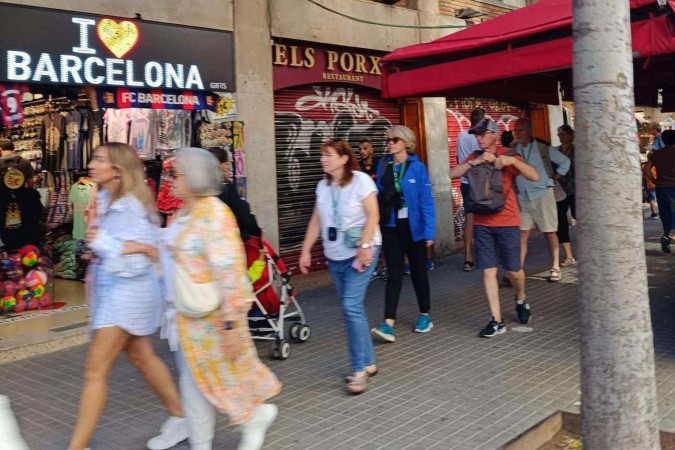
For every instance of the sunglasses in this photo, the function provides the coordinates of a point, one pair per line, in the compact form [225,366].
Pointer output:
[395,140]
[174,173]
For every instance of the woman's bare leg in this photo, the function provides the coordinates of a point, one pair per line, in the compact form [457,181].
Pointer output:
[142,355]
[106,346]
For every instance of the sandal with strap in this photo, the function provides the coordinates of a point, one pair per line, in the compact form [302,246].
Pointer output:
[568,262]
[469,266]
[357,384]
[555,276]
[369,373]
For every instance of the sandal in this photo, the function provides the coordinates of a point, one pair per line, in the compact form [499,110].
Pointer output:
[555,276]
[568,262]
[469,266]
[357,384]
[370,373]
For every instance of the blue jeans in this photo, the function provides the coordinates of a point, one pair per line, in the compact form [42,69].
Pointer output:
[351,286]
[665,197]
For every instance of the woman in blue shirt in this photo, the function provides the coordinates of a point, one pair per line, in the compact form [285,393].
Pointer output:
[408,219]
[125,296]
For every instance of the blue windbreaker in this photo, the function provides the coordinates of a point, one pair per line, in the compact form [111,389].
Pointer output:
[418,195]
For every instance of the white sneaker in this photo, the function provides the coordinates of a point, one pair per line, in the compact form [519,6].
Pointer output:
[253,431]
[173,431]
[9,429]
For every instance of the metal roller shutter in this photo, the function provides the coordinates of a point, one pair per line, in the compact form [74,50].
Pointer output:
[458,113]
[305,117]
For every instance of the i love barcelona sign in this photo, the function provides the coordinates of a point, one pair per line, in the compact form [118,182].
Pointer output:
[55,47]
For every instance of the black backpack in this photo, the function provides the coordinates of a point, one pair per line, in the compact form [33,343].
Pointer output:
[486,194]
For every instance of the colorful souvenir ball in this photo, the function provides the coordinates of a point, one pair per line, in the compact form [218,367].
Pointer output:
[14,274]
[30,259]
[45,301]
[20,306]
[26,249]
[32,304]
[38,291]
[21,284]
[36,277]
[15,259]
[9,288]
[24,295]
[8,302]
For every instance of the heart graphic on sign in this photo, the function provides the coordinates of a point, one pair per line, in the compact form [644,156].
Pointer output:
[119,38]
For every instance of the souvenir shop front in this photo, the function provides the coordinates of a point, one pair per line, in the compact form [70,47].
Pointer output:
[77,81]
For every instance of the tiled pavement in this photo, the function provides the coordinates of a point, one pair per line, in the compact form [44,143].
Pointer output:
[445,390]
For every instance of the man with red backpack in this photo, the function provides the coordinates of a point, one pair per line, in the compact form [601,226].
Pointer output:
[497,218]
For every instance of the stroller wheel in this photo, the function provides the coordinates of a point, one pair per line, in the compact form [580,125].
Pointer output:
[305,333]
[281,350]
[294,331]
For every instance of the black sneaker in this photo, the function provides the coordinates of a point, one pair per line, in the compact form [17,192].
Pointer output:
[523,311]
[492,329]
[665,244]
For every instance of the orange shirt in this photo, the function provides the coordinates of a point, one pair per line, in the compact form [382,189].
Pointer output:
[510,215]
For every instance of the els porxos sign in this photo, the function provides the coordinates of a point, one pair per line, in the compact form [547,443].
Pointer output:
[297,64]
[50,46]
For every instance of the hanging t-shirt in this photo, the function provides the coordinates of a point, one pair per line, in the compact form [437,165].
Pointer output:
[10,104]
[342,207]
[79,196]
[73,153]
[166,130]
[142,132]
[117,123]
[53,128]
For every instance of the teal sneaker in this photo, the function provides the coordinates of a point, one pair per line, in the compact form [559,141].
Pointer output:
[424,323]
[384,332]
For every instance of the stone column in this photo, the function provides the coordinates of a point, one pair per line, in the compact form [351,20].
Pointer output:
[255,106]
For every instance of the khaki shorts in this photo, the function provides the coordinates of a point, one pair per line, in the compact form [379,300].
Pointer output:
[541,213]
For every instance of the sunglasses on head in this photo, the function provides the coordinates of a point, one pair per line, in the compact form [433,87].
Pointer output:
[395,140]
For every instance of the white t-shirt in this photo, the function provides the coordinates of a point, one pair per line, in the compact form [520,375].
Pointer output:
[350,213]
[117,121]
[466,145]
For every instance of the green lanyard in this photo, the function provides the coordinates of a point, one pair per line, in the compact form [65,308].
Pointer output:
[397,179]
[335,195]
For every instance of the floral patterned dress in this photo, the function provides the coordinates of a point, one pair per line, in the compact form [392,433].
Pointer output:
[209,247]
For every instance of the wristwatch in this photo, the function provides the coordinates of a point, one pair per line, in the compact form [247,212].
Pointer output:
[365,245]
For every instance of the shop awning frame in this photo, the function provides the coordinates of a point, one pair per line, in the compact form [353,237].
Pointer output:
[523,55]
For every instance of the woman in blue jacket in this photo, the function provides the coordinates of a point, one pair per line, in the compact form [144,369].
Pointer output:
[408,220]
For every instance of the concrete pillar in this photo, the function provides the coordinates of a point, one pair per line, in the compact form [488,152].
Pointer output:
[255,106]
[436,126]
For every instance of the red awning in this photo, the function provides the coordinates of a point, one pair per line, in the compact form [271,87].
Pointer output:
[520,55]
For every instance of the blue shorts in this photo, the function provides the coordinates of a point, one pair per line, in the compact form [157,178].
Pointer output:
[495,245]
[465,197]
[651,195]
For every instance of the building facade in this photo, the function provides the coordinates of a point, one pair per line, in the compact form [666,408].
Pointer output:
[304,73]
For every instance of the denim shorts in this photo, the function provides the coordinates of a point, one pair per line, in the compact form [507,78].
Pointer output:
[651,195]
[465,197]
[495,245]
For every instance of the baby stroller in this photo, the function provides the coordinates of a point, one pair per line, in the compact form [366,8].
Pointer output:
[275,304]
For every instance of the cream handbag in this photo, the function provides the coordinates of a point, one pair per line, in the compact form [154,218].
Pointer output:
[195,299]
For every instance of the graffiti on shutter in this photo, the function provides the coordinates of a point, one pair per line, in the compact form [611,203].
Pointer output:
[305,117]
[458,113]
